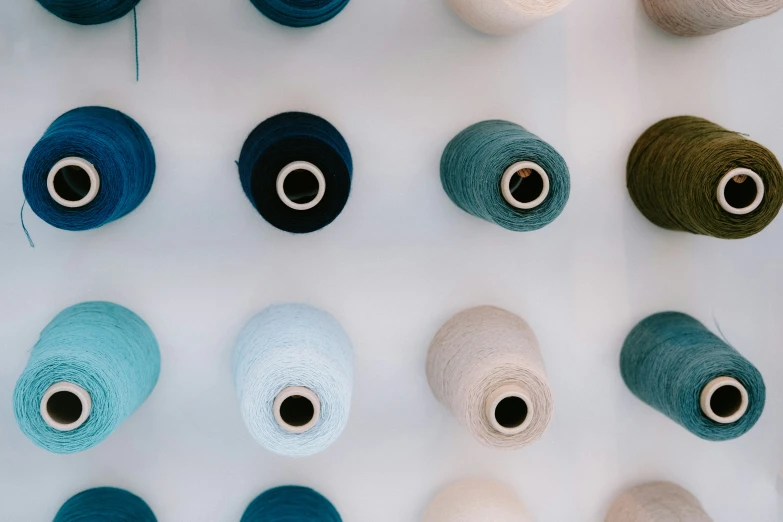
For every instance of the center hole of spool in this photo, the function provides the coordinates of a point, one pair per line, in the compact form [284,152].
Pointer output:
[740,191]
[301,186]
[72,183]
[726,401]
[526,185]
[511,412]
[297,411]
[64,407]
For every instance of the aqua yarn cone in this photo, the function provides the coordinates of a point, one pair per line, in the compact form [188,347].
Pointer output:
[105,505]
[291,504]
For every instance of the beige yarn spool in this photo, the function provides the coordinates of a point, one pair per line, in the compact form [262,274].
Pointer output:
[703,17]
[657,502]
[485,365]
[475,501]
[505,16]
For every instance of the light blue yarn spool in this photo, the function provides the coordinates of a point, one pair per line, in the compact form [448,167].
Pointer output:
[100,348]
[299,349]
[478,161]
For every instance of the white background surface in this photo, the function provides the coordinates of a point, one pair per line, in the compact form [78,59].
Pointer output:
[398,78]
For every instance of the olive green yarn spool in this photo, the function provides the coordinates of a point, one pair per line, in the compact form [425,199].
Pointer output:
[687,173]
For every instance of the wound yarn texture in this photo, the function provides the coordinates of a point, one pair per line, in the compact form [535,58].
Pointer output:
[505,16]
[656,502]
[105,505]
[114,144]
[675,168]
[105,349]
[475,353]
[300,13]
[703,17]
[476,501]
[669,357]
[89,12]
[473,165]
[282,140]
[291,504]
[289,345]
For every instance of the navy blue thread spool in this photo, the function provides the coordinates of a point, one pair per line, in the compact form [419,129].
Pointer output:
[296,170]
[92,166]
[300,13]
[89,12]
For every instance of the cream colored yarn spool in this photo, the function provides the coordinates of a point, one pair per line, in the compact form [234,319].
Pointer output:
[476,501]
[485,365]
[657,502]
[505,16]
[703,17]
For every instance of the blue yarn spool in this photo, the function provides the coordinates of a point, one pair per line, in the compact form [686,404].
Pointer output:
[291,504]
[669,359]
[106,139]
[302,203]
[92,367]
[89,12]
[482,158]
[105,505]
[293,371]
[300,13]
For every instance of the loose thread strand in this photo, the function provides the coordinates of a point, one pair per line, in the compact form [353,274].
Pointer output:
[136,41]
[24,228]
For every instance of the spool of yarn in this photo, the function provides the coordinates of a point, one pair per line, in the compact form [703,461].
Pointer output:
[677,366]
[291,504]
[89,12]
[656,502]
[485,365]
[476,501]
[92,166]
[689,174]
[93,365]
[105,505]
[703,17]
[498,171]
[296,170]
[300,13]
[505,16]
[293,371]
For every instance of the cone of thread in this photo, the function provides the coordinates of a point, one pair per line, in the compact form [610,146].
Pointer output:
[501,17]
[674,172]
[105,505]
[656,502]
[291,504]
[669,358]
[704,17]
[479,352]
[474,500]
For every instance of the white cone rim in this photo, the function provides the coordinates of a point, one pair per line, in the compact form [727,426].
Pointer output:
[83,396]
[88,168]
[297,391]
[709,390]
[722,191]
[498,395]
[505,184]
[309,167]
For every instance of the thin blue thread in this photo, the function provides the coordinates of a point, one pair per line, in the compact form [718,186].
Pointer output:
[136,42]
[26,233]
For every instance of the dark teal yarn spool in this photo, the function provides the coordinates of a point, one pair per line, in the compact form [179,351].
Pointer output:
[500,172]
[89,12]
[105,505]
[296,170]
[91,368]
[300,13]
[677,366]
[291,504]
[92,166]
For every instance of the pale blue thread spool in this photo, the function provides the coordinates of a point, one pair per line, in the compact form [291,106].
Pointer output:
[293,371]
[92,367]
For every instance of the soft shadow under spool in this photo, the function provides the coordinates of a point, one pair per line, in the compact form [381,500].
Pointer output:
[475,500]
[505,16]
[656,502]
[297,409]
[65,406]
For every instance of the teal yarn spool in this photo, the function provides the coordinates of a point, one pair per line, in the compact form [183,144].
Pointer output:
[500,172]
[92,367]
[293,372]
[291,504]
[105,505]
[89,12]
[673,363]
